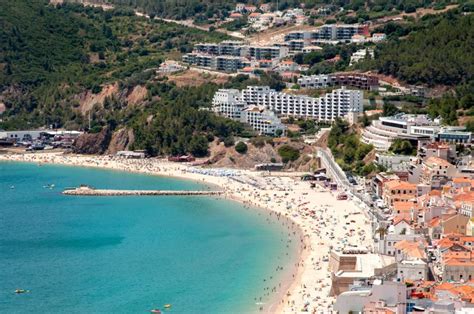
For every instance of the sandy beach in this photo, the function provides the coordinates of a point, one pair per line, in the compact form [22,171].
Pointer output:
[313,216]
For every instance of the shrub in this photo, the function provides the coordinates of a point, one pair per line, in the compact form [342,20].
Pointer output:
[288,153]
[229,141]
[241,148]
[258,142]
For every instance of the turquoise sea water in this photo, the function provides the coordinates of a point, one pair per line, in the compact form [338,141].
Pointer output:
[129,254]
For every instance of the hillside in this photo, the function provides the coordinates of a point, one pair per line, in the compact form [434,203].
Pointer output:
[208,11]
[70,49]
[439,53]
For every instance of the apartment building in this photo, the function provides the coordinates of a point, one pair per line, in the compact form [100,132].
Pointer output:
[262,120]
[336,104]
[393,162]
[234,104]
[224,48]
[239,49]
[433,167]
[219,63]
[357,80]
[228,103]
[316,81]
[339,32]
[265,52]
[398,191]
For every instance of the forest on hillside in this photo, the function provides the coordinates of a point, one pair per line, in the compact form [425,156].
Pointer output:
[202,10]
[439,53]
[70,48]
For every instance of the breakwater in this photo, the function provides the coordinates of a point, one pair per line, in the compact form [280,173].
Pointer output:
[88,191]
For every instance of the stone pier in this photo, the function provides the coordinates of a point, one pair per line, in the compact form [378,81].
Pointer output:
[88,191]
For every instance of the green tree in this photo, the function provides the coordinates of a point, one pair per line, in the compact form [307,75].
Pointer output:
[403,147]
[241,148]
[288,153]
[198,146]
[389,109]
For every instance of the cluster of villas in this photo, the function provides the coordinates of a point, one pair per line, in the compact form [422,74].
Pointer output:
[263,16]
[261,107]
[424,243]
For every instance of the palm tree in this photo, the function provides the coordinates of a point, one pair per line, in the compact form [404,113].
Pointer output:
[382,232]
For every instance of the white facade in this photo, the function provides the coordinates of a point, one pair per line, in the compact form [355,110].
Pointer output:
[170,67]
[233,104]
[385,130]
[393,162]
[315,81]
[228,103]
[412,270]
[262,120]
[361,55]
[336,104]
[20,135]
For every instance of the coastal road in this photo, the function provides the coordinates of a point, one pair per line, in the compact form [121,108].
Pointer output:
[338,175]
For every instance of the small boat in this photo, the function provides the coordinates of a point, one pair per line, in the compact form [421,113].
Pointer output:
[167,306]
[155,311]
[19,291]
[12,187]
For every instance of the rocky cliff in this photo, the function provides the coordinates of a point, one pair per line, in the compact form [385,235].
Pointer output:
[104,142]
[96,143]
[122,139]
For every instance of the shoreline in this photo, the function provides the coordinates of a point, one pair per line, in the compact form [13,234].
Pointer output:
[307,284]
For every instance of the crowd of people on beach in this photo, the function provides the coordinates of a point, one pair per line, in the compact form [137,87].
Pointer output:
[311,216]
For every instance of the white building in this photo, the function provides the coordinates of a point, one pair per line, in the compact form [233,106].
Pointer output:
[336,104]
[315,81]
[170,66]
[20,135]
[393,162]
[361,55]
[385,130]
[382,132]
[415,269]
[262,120]
[228,103]
[233,104]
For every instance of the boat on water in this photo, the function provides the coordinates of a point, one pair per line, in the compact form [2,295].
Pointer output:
[167,306]
[20,291]
[155,311]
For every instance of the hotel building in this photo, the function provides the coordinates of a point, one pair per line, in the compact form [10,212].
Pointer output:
[235,104]
[229,103]
[417,128]
[262,120]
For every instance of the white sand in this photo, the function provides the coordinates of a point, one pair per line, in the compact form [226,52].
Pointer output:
[317,212]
